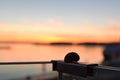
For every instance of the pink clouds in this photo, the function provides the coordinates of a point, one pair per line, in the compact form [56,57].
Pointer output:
[25,20]
[113,22]
[54,22]
[51,22]
[112,29]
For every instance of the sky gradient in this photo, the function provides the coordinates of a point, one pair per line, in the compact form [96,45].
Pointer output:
[60,20]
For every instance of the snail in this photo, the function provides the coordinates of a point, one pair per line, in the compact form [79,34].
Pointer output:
[72,57]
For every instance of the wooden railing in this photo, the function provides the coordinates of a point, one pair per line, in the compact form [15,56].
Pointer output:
[78,69]
[84,70]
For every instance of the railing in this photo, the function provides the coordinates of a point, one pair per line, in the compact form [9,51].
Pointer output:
[43,69]
[19,63]
[71,66]
[84,70]
[77,69]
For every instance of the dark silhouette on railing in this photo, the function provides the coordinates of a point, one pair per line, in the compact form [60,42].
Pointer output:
[72,57]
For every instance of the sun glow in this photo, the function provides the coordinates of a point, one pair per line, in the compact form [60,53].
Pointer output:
[47,33]
[48,39]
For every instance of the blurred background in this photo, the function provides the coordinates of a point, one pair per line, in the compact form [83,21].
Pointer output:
[45,30]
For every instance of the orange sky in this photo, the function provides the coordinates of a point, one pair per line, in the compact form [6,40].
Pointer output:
[105,36]
[52,32]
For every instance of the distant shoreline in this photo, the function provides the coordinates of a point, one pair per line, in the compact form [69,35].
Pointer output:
[5,47]
[66,43]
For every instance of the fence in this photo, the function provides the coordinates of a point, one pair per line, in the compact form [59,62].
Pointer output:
[78,69]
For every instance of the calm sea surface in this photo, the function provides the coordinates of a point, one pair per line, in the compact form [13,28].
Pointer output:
[28,52]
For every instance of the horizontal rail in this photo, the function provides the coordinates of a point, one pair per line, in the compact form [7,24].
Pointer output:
[20,63]
[117,69]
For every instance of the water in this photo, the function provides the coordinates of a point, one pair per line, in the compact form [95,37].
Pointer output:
[28,52]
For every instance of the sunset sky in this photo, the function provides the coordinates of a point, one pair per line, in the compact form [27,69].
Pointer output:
[60,20]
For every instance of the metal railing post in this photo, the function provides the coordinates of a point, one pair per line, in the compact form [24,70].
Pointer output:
[60,75]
